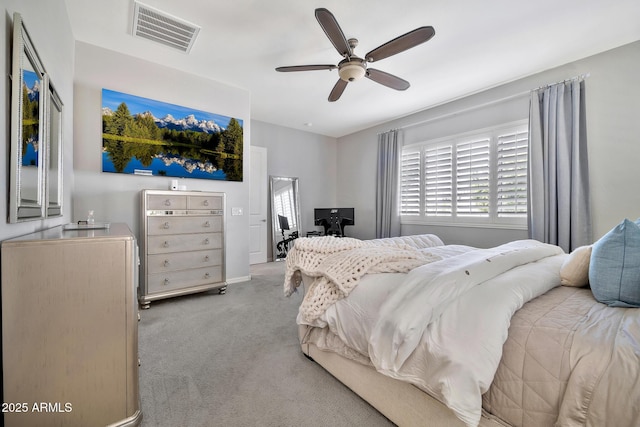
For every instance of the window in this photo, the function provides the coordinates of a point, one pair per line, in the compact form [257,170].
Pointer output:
[478,178]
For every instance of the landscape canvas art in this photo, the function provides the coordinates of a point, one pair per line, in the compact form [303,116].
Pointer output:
[142,136]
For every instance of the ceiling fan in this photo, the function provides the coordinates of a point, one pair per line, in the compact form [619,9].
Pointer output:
[352,67]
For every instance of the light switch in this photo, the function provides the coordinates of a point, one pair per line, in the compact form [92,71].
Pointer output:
[236,211]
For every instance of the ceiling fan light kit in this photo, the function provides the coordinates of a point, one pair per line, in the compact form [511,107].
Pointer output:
[353,68]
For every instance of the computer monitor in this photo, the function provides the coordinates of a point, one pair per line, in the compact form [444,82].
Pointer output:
[283,222]
[334,219]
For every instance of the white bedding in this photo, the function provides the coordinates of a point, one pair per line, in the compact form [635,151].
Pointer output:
[442,326]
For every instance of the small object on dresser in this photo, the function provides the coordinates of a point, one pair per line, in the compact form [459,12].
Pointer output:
[83,225]
[90,218]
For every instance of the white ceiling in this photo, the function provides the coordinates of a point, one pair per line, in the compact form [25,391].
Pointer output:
[478,45]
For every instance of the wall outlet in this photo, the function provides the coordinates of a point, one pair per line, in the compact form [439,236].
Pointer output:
[236,211]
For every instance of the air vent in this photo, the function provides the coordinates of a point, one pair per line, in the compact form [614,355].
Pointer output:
[161,27]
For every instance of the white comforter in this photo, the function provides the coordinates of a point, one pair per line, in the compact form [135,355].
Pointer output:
[442,326]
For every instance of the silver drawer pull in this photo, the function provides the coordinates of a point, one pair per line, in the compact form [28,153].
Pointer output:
[207,224]
[206,275]
[166,263]
[166,282]
[206,258]
[167,202]
[166,225]
[206,203]
[206,241]
[165,244]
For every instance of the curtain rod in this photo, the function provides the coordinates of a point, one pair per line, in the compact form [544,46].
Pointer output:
[488,103]
[576,78]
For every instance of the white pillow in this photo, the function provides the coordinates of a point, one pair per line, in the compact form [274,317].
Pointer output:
[575,269]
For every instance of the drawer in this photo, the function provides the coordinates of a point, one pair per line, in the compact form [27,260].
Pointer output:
[183,242]
[183,260]
[204,202]
[162,282]
[163,225]
[166,201]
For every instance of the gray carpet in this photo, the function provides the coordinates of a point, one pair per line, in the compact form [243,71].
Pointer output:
[234,360]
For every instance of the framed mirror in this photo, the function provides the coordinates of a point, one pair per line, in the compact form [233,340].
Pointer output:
[285,214]
[54,139]
[35,171]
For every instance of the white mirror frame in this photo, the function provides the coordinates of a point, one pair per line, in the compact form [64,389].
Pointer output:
[30,188]
[285,201]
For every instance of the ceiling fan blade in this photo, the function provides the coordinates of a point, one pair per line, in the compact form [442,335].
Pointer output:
[387,79]
[401,43]
[331,28]
[306,68]
[337,90]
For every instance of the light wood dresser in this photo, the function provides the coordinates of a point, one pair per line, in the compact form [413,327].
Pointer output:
[182,243]
[70,328]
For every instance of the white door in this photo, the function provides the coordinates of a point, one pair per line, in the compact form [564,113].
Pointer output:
[258,216]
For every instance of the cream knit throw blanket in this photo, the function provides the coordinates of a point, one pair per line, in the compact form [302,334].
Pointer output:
[337,264]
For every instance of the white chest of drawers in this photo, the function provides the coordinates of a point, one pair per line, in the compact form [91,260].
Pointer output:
[182,243]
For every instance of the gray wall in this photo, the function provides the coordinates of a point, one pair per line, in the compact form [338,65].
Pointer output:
[612,94]
[309,157]
[50,32]
[115,197]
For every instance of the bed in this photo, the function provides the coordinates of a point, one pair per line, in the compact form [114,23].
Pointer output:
[450,335]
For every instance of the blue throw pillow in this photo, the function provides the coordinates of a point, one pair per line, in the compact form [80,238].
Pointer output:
[614,269]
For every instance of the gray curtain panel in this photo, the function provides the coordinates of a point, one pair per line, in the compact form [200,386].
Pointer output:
[559,209]
[387,189]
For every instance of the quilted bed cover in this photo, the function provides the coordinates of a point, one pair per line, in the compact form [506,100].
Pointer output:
[569,361]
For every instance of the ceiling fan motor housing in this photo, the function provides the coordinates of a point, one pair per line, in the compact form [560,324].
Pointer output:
[352,69]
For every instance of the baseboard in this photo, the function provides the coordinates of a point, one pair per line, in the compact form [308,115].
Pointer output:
[238,279]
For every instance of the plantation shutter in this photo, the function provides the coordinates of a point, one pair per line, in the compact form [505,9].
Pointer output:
[283,202]
[410,183]
[474,178]
[438,180]
[473,169]
[512,174]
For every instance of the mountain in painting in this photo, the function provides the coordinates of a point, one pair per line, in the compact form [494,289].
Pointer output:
[186,123]
[33,92]
[189,122]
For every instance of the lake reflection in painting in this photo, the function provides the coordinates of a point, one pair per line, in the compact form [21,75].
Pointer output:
[144,137]
[160,167]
